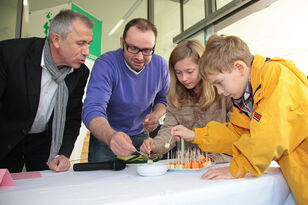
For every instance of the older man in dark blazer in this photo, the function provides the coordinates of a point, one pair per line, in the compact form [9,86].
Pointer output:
[41,88]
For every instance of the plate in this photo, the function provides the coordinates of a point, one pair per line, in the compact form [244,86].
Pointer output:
[191,170]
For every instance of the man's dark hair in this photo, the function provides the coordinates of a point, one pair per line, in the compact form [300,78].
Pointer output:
[142,24]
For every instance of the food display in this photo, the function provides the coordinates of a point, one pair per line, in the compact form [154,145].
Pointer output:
[191,159]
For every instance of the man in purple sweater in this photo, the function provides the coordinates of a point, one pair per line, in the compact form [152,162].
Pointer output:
[126,94]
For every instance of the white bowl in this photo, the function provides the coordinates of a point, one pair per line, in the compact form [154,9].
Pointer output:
[150,170]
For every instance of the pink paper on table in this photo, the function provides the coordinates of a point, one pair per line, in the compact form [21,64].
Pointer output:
[5,178]
[26,175]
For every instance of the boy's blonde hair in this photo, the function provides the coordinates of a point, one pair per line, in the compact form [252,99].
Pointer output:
[221,52]
[178,94]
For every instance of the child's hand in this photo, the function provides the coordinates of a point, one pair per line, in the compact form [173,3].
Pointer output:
[218,173]
[180,131]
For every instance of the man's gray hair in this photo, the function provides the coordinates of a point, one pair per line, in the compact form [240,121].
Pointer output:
[63,21]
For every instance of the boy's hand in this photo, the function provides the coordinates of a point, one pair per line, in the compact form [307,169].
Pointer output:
[147,146]
[180,131]
[217,173]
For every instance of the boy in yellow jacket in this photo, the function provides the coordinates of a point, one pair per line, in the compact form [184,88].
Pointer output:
[270,114]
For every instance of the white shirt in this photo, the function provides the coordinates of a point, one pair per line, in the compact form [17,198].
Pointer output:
[135,72]
[47,100]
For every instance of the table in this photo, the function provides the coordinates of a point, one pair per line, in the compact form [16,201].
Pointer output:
[127,187]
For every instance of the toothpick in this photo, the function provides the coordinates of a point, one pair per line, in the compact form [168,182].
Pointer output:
[182,145]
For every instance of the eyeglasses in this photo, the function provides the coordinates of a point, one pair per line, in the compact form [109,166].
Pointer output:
[136,50]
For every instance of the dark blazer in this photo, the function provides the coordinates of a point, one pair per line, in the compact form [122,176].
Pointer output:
[20,84]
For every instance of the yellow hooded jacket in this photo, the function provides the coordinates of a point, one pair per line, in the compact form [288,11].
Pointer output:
[278,129]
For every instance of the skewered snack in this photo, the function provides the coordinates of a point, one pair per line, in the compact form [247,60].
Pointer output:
[191,159]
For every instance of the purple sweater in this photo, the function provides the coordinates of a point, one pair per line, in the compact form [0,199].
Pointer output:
[122,97]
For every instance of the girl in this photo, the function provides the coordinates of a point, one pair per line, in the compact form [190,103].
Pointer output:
[192,101]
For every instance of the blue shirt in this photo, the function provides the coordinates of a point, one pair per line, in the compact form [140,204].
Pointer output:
[122,97]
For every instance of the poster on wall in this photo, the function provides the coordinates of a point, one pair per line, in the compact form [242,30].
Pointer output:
[39,23]
[95,46]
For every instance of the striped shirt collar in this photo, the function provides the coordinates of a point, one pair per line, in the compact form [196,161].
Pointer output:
[245,103]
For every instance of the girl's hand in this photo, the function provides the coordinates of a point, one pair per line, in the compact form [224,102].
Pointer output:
[180,131]
[147,146]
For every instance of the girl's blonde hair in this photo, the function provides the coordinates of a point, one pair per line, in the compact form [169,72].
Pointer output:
[178,94]
[221,53]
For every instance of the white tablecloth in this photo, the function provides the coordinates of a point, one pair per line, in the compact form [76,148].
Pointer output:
[127,187]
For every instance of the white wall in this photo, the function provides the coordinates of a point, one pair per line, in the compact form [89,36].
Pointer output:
[8,19]
[279,30]
[37,19]
[110,12]
[167,21]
